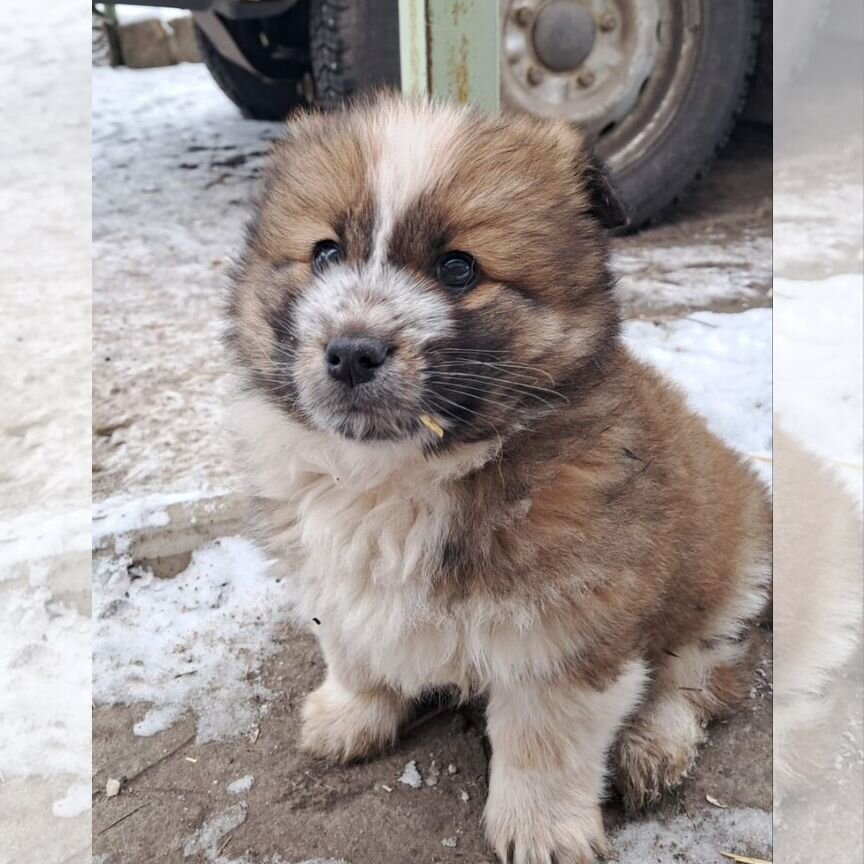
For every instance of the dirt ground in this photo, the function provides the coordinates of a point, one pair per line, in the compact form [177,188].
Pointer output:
[172,180]
[300,808]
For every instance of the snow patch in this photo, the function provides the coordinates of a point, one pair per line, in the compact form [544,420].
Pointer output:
[819,366]
[207,839]
[818,214]
[723,363]
[191,643]
[160,138]
[39,535]
[123,514]
[128,13]
[244,784]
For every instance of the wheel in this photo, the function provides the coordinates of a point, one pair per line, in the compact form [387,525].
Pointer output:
[656,84]
[277,50]
[355,46]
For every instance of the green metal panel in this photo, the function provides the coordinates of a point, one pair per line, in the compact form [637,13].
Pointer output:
[412,47]
[450,49]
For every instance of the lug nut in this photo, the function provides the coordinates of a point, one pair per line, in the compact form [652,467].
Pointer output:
[535,76]
[608,22]
[522,16]
[585,79]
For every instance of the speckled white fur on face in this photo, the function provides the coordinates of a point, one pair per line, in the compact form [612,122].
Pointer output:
[375,300]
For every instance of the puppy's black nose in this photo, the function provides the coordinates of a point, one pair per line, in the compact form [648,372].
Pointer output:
[354,360]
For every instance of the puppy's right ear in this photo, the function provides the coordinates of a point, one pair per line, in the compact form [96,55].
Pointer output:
[607,205]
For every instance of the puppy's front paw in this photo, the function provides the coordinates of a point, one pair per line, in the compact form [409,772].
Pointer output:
[342,726]
[530,821]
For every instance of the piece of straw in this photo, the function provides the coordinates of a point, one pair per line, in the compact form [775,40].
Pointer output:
[431,425]
[743,859]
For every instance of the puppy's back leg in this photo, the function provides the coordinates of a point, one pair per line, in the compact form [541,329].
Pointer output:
[658,746]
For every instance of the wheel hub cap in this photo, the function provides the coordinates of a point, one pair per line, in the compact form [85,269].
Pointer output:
[563,35]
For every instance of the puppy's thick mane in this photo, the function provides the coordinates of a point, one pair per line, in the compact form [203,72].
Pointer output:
[576,528]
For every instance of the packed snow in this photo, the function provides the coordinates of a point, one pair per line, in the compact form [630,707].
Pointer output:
[190,643]
[723,364]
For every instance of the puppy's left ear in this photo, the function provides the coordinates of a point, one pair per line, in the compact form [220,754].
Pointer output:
[606,204]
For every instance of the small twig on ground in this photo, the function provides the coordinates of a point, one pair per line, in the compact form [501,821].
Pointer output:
[124,816]
[703,323]
[161,759]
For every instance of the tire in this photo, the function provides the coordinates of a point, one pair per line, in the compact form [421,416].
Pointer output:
[659,176]
[257,96]
[657,117]
[354,46]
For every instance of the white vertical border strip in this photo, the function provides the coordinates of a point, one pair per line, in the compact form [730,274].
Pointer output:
[818,280]
[45,428]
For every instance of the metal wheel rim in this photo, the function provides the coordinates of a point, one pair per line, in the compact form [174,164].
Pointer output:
[626,92]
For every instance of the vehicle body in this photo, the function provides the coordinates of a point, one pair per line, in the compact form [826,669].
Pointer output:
[657,85]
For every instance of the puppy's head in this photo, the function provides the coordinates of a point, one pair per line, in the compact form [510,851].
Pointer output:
[411,260]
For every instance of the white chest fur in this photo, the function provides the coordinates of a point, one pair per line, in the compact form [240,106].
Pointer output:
[358,531]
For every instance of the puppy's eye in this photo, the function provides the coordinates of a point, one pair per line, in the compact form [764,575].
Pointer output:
[325,253]
[457,270]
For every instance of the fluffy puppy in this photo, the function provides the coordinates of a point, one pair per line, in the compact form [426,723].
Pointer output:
[468,480]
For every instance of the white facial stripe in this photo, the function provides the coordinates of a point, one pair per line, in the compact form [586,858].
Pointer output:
[415,143]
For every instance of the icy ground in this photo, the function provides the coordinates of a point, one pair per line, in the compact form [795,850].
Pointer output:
[204,656]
